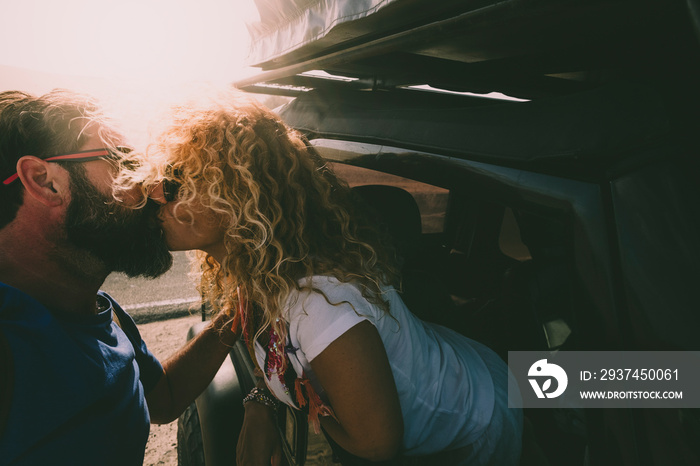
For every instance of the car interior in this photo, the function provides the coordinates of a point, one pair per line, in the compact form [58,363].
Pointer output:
[492,268]
[506,232]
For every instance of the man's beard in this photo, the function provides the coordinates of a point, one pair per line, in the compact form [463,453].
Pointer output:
[124,239]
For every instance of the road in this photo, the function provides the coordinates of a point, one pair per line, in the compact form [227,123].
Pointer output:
[174,294]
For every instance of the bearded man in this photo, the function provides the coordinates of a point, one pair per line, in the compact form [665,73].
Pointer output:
[78,386]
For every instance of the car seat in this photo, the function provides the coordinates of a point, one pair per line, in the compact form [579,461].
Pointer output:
[395,211]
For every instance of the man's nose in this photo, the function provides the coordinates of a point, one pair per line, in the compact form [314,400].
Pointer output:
[131,196]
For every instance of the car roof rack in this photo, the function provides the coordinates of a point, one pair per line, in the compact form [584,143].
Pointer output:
[522,48]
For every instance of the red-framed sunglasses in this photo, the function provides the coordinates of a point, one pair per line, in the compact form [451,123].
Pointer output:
[82,156]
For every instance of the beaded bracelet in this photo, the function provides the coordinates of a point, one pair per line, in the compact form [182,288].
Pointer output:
[262,396]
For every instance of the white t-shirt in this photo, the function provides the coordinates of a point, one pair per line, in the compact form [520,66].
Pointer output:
[445,389]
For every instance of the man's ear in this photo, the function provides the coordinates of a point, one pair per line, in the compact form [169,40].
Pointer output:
[44,181]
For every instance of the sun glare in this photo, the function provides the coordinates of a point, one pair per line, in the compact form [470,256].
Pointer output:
[175,40]
[135,55]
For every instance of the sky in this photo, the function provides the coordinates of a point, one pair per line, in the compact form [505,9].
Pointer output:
[169,40]
[136,56]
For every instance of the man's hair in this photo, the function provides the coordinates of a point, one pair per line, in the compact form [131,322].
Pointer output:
[42,126]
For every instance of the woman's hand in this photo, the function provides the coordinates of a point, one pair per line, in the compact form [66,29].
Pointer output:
[259,443]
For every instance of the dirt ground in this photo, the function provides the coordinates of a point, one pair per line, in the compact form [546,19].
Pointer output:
[163,339]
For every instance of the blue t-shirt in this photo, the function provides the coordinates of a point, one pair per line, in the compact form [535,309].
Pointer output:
[77,388]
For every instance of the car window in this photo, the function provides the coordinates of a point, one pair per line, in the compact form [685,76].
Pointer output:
[432,200]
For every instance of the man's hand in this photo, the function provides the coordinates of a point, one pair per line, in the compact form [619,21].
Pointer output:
[259,443]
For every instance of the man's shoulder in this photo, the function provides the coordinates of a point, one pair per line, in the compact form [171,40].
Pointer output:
[122,318]
[6,381]
[16,305]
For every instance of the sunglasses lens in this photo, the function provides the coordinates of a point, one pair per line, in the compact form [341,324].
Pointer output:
[170,190]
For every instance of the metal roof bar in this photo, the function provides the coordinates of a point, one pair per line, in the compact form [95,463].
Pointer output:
[417,36]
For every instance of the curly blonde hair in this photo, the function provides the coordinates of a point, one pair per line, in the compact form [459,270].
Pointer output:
[286,214]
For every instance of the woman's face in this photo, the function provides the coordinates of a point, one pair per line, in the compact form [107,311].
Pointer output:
[190,227]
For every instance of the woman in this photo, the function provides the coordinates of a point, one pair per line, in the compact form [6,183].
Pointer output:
[287,255]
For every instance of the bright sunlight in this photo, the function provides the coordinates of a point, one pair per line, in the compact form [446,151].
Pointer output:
[165,39]
[132,54]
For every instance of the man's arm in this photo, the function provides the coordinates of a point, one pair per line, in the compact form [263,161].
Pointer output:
[187,373]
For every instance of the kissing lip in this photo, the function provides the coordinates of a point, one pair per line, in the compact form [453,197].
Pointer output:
[154,212]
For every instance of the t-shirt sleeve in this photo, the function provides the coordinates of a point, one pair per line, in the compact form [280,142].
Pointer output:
[150,368]
[315,322]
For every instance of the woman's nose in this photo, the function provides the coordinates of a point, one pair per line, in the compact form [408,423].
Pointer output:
[156,193]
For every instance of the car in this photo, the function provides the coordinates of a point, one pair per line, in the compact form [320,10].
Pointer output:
[550,153]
